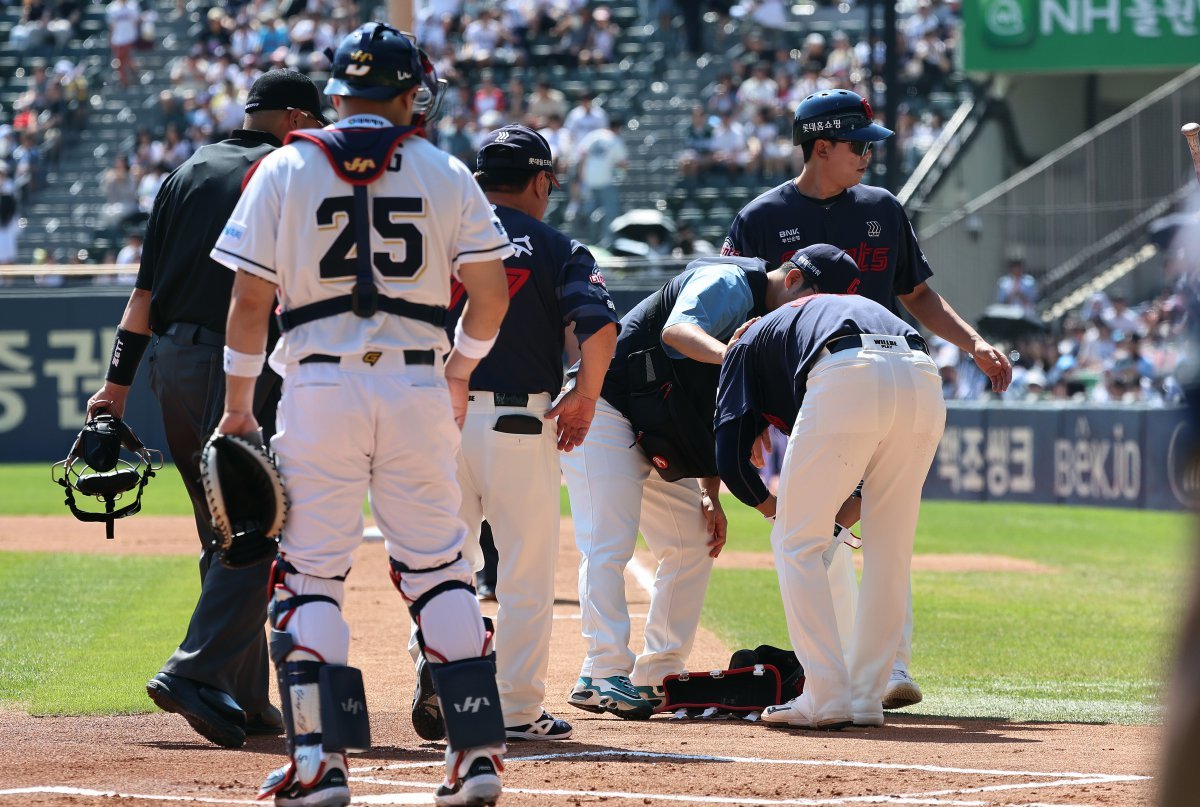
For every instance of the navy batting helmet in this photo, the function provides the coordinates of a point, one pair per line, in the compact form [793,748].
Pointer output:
[836,115]
[378,62]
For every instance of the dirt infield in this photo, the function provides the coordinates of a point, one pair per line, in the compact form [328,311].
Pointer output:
[914,759]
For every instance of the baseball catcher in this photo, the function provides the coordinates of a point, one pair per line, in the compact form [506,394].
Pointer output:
[245,496]
[95,467]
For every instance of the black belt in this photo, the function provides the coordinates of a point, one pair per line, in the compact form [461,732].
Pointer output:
[189,333]
[507,398]
[854,340]
[410,357]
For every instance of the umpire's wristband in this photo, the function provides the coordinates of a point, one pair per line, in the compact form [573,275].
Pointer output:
[127,352]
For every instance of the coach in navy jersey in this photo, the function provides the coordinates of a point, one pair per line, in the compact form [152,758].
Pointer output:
[508,468]
[827,204]
[854,386]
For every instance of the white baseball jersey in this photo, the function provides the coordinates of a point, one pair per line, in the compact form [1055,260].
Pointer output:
[292,227]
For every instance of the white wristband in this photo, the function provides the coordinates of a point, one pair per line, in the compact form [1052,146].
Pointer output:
[243,364]
[469,346]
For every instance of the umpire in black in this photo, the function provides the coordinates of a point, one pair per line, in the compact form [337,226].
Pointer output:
[217,679]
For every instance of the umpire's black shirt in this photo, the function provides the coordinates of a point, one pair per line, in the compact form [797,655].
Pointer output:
[192,206]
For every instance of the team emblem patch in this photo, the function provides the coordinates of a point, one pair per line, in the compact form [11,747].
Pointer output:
[359,165]
[660,462]
[372,356]
[873,229]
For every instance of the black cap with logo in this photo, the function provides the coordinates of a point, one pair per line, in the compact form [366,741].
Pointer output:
[828,269]
[285,89]
[516,147]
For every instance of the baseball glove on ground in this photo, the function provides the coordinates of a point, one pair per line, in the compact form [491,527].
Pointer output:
[245,498]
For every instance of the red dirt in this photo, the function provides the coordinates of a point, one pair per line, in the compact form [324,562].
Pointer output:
[157,757]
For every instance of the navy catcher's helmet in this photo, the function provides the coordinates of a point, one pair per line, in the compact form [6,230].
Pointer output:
[378,62]
[836,115]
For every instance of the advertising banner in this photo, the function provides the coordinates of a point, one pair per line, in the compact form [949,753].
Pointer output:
[1079,35]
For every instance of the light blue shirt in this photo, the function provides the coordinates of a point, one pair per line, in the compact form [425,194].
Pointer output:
[716,299]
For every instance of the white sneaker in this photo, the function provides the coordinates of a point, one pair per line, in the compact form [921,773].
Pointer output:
[793,714]
[546,727]
[901,690]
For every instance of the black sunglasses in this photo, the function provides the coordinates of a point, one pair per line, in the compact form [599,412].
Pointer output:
[859,147]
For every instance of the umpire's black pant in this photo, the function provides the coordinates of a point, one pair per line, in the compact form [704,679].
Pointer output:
[225,646]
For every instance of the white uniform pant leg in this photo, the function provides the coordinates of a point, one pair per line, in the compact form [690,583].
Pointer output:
[674,528]
[904,651]
[415,499]
[891,503]
[605,477]
[830,446]
[324,444]
[843,586]
[517,477]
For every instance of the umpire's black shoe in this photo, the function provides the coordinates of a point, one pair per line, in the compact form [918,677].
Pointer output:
[211,712]
[485,589]
[268,721]
[426,713]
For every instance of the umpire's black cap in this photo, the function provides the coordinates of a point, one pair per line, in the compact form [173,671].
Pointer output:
[285,89]
[516,147]
[828,269]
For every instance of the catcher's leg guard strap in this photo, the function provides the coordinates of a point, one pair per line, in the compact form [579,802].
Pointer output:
[470,702]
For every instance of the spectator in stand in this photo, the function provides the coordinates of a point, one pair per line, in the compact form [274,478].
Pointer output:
[543,102]
[602,154]
[721,97]
[929,64]
[488,96]
[1121,318]
[601,44]
[123,28]
[10,224]
[27,160]
[482,39]
[760,90]
[561,146]
[768,151]
[131,253]
[841,61]
[515,93]
[696,156]
[1098,348]
[585,118]
[730,151]
[457,136]
[813,50]
[120,195]
[1018,288]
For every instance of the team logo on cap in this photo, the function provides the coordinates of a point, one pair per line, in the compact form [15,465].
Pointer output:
[503,136]
[361,56]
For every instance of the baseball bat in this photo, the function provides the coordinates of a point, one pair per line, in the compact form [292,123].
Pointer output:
[1191,131]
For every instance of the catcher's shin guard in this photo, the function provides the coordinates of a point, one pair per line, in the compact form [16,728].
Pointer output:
[324,706]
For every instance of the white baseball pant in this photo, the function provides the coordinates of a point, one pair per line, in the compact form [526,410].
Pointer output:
[613,490]
[875,415]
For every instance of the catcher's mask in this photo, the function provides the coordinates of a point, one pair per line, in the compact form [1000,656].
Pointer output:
[95,467]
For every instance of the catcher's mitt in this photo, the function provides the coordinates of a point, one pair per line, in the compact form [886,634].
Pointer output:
[245,497]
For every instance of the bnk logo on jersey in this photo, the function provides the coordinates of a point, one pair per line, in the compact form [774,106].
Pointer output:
[471,705]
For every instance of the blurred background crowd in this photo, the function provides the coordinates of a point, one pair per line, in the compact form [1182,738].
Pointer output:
[172,75]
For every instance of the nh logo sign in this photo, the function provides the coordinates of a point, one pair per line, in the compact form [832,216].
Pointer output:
[471,705]
[353,706]
[358,165]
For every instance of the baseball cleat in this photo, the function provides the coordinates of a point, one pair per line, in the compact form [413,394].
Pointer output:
[615,695]
[426,713]
[546,727]
[655,696]
[792,714]
[330,790]
[868,720]
[480,787]
[901,690]
[212,713]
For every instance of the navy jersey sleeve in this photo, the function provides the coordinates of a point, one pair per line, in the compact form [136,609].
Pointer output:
[735,442]
[912,268]
[735,239]
[583,297]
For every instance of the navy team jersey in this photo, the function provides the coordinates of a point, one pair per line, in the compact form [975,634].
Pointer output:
[552,281]
[868,222]
[765,375]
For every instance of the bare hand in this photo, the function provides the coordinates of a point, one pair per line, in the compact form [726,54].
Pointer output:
[716,524]
[237,423]
[459,395]
[761,447]
[994,363]
[110,398]
[740,330]
[574,412]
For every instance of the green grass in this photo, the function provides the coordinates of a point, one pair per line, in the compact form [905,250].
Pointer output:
[29,491]
[1088,641]
[82,634]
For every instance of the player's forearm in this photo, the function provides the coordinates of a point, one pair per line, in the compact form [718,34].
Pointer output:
[246,339]
[487,298]
[940,318]
[596,353]
[693,342]
[136,318]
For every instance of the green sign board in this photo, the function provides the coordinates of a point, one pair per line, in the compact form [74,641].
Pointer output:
[1079,35]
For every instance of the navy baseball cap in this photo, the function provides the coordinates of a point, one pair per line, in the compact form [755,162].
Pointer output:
[828,269]
[518,148]
[285,89]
